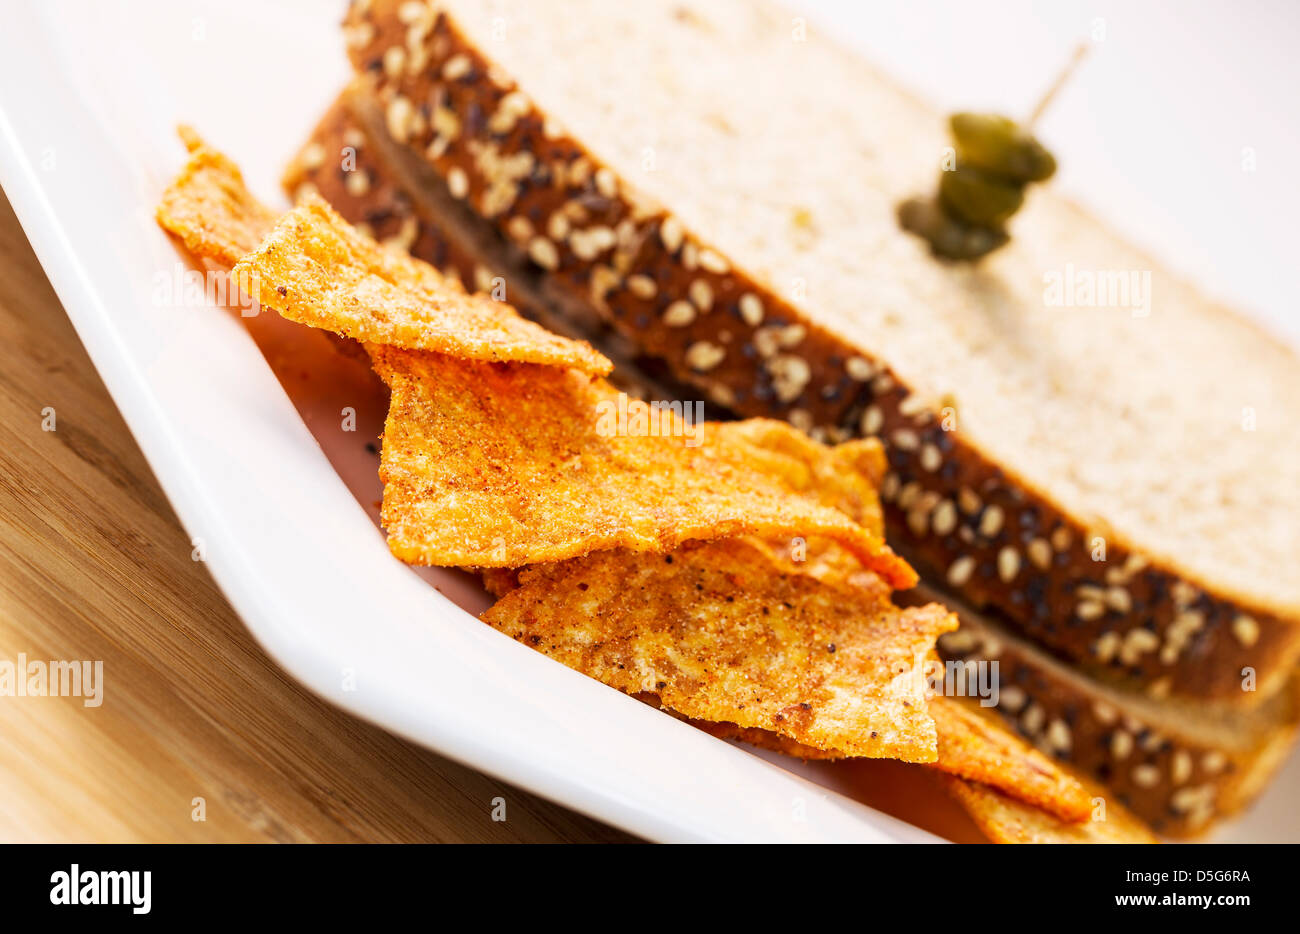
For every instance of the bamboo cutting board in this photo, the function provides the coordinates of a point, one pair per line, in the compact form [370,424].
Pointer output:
[199,737]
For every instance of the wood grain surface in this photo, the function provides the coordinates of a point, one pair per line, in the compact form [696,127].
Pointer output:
[94,565]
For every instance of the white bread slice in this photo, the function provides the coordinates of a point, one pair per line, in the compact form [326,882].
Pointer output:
[781,283]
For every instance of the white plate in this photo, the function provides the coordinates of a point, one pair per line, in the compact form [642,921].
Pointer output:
[268,481]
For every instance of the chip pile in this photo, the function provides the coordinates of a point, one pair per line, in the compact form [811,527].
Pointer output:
[735,574]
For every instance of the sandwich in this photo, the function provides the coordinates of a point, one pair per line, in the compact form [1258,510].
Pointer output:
[1104,487]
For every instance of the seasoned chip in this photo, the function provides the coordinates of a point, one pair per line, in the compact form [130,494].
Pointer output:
[209,208]
[1006,820]
[969,746]
[975,748]
[721,634]
[502,465]
[316,269]
[845,476]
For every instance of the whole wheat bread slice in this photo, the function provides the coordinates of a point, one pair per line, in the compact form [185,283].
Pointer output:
[777,280]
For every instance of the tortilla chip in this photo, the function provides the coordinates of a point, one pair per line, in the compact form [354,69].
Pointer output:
[316,269]
[973,747]
[491,465]
[846,476]
[720,634]
[1006,820]
[969,746]
[209,208]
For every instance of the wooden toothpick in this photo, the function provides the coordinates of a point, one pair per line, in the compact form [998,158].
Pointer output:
[1077,56]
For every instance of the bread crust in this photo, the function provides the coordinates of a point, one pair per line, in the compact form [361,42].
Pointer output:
[972,523]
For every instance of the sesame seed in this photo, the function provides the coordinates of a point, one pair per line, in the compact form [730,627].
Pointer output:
[1058,736]
[607,182]
[519,228]
[1012,698]
[702,355]
[1246,630]
[1136,643]
[969,501]
[1105,713]
[1040,553]
[357,183]
[1061,539]
[889,487]
[908,495]
[312,156]
[642,287]
[803,420]
[991,521]
[872,420]
[790,374]
[394,61]
[1214,762]
[931,458]
[679,314]
[543,252]
[712,261]
[792,335]
[557,227]
[701,294]
[1107,645]
[411,11]
[1031,721]
[1160,688]
[1008,564]
[1121,744]
[1146,775]
[670,234]
[397,117]
[959,642]
[945,518]
[458,66]
[1184,593]
[913,405]
[1181,768]
[751,309]
[1198,800]
[458,187]
[1118,599]
[1089,610]
[859,369]
[960,571]
[905,439]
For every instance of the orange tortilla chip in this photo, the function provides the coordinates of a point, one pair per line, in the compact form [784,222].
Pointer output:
[721,634]
[316,269]
[969,746]
[489,465]
[973,747]
[1006,820]
[209,208]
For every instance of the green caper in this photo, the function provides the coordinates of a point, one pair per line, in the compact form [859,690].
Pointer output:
[948,237]
[977,197]
[998,145]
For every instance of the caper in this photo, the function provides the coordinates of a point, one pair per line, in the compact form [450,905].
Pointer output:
[998,145]
[948,237]
[976,197]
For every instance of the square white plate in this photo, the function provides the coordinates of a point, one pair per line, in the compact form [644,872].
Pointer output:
[262,473]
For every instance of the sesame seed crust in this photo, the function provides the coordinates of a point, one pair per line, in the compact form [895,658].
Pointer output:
[747,344]
[1175,780]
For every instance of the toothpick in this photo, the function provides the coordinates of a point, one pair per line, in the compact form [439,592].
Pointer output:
[1080,51]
